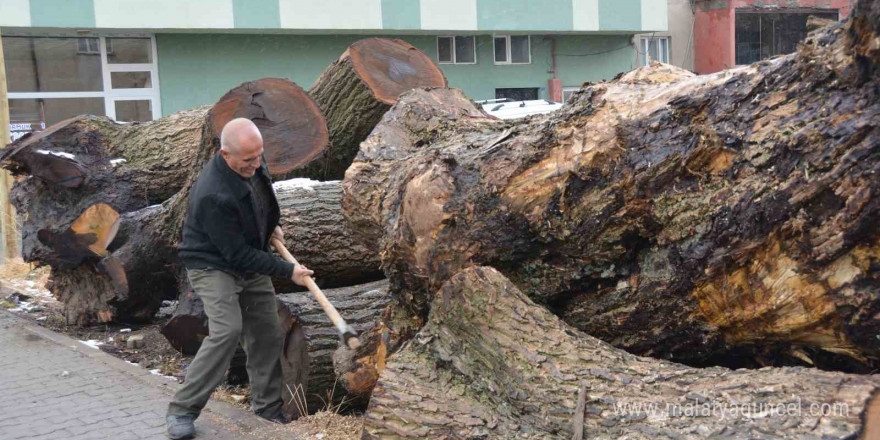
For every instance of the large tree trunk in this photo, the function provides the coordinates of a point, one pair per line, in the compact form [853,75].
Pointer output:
[294,130]
[90,160]
[678,216]
[490,363]
[311,340]
[317,234]
[71,223]
[358,88]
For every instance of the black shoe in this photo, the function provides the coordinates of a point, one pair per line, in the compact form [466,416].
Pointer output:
[280,419]
[180,427]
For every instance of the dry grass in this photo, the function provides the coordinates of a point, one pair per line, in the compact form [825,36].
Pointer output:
[329,426]
[15,269]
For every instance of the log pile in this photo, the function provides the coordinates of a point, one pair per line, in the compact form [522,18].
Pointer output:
[134,179]
[700,219]
[473,372]
[103,203]
[726,218]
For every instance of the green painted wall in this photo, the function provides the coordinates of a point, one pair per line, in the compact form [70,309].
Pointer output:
[260,14]
[62,13]
[197,69]
[401,14]
[555,15]
[625,15]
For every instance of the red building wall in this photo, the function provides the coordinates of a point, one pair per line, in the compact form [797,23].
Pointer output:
[714,24]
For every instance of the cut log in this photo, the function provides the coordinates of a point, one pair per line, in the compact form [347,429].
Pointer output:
[293,128]
[316,233]
[127,170]
[311,339]
[357,89]
[490,363]
[91,161]
[678,216]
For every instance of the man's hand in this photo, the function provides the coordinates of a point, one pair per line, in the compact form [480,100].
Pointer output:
[277,233]
[299,273]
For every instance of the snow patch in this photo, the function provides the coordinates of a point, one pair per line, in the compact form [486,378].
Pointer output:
[119,161]
[299,183]
[92,343]
[57,153]
[157,373]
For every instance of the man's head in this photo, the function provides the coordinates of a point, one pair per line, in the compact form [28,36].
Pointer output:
[241,145]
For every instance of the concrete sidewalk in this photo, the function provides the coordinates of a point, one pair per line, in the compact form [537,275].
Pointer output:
[54,387]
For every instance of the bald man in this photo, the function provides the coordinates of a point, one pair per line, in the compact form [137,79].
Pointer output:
[232,214]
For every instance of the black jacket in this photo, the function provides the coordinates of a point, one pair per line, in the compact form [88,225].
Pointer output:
[221,230]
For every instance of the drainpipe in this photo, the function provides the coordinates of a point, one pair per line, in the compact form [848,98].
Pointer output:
[554,85]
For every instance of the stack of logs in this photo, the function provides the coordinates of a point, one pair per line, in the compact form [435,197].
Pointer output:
[551,277]
[103,203]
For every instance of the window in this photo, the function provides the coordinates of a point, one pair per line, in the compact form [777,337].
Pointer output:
[760,35]
[89,45]
[567,92]
[456,50]
[512,49]
[653,49]
[517,94]
[54,78]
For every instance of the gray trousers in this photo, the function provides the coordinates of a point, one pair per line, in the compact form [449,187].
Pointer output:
[236,309]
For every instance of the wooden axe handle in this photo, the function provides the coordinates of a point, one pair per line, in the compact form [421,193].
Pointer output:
[347,333]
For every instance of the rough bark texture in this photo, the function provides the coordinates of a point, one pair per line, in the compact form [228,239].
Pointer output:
[128,279]
[490,363]
[311,338]
[720,218]
[126,166]
[186,330]
[293,128]
[356,90]
[317,234]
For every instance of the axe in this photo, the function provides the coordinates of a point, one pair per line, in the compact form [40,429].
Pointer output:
[346,333]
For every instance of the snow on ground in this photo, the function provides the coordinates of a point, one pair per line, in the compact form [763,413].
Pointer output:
[92,343]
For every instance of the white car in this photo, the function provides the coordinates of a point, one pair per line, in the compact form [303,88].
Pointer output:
[507,109]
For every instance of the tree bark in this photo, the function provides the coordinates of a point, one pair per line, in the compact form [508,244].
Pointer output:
[490,363]
[725,218]
[311,339]
[357,89]
[77,179]
[89,160]
[294,130]
[316,233]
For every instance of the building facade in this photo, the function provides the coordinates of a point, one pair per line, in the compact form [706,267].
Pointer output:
[729,33]
[674,46]
[137,60]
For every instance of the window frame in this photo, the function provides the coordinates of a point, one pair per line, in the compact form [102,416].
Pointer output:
[109,94]
[644,42]
[509,61]
[453,49]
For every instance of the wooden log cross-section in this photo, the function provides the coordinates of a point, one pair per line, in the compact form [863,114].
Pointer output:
[358,88]
[490,363]
[715,219]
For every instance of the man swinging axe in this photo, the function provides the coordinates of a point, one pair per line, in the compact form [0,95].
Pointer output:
[232,215]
